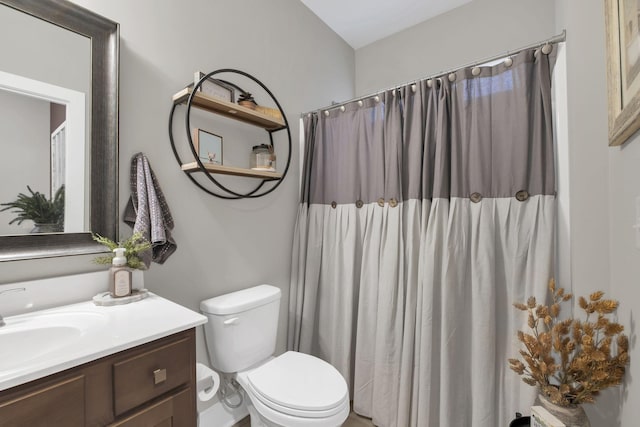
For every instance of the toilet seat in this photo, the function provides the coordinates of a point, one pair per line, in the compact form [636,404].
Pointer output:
[297,385]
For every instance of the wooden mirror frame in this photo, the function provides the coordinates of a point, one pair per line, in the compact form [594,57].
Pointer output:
[104,35]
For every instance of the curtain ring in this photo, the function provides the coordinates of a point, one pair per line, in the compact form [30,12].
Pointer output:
[413,88]
[326,113]
[360,103]
[475,71]
[429,82]
[452,77]
[376,98]
[508,62]
[342,108]
[546,49]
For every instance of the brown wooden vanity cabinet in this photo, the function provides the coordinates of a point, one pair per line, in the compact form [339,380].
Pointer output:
[149,385]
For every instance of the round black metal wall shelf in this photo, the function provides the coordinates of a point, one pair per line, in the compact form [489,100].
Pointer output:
[192,97]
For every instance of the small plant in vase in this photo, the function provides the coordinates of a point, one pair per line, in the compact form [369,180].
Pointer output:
[134,246]
[246,100]
[571,360]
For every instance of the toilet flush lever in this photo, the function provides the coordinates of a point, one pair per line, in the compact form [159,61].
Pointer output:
[232,321]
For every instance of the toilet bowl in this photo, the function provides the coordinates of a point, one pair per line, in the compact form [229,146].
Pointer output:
[290,390]
[296,390]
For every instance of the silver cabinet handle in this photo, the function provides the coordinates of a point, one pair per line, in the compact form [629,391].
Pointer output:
[159,376]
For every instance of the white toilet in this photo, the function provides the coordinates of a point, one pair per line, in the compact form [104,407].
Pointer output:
[291,390]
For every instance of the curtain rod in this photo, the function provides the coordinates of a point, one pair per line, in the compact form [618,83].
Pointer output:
[555,39]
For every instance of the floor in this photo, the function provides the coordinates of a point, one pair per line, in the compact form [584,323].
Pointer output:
[357,421]
[353,421]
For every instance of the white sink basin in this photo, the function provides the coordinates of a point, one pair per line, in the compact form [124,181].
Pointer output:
[29,338]
[40,343]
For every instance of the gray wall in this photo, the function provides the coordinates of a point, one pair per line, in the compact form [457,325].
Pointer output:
[42,51]
[470,32]
[605,183]
[25,140]
[222,245]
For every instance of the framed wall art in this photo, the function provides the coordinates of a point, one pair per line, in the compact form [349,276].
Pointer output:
[208,146]
[623,58]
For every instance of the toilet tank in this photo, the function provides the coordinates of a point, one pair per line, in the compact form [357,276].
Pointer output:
[242,327]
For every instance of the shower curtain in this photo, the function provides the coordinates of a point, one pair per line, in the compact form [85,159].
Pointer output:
[425,213]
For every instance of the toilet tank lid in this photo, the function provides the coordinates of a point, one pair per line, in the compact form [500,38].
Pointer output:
[239,301]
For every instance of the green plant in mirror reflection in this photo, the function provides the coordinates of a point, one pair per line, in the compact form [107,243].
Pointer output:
[37,208]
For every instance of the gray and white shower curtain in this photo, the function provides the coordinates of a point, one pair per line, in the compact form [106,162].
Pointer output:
[424,215]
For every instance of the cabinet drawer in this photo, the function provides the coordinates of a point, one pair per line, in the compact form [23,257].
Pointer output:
[139,379]
[172,411]
[58,404]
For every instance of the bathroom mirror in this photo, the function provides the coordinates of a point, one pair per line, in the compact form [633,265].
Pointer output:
[93,81]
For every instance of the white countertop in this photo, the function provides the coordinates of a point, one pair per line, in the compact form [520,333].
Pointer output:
[103,331]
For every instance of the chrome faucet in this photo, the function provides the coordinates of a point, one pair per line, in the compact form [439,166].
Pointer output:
[6,291]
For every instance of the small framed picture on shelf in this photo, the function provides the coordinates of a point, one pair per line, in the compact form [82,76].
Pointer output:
[215,88]
[208,146]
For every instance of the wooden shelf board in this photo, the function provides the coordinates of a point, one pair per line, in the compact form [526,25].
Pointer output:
[231,170]
[228,109]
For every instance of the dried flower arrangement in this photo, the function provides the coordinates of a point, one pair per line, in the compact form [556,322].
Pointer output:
[133,246]
[571,360]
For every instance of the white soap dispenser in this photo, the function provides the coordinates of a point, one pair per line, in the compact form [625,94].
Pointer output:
[119,275]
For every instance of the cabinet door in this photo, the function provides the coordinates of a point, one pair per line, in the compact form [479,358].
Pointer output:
[58,404]
[172,411]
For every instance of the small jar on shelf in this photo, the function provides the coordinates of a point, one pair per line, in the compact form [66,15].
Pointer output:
[263,158]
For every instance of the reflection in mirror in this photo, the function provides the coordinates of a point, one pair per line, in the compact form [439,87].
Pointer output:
[42,62]
[58,44]
[42,126]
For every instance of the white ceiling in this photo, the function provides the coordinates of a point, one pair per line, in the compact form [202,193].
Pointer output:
[361,22]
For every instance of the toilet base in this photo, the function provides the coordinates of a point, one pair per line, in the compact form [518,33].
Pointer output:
[218,415]
[258,420]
